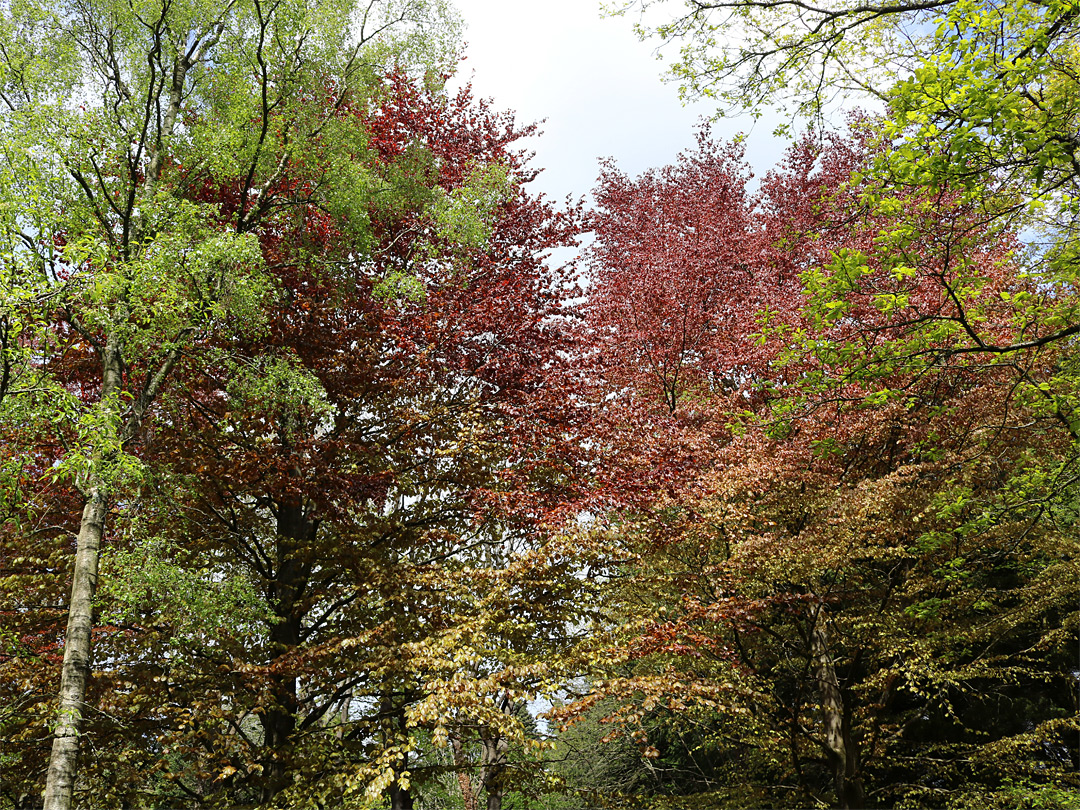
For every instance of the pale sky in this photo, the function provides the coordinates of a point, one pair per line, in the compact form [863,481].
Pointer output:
[599,88]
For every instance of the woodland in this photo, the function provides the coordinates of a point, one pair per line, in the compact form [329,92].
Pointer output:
[323,485]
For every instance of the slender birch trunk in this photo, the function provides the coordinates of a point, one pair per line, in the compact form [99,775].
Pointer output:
[63,760]
[60,784]
[75,674]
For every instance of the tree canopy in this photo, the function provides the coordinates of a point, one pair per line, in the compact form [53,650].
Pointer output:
[321,480]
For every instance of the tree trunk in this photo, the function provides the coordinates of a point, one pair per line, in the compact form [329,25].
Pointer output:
[343,714]
[468,797]
[60,781]
[63,760]
[843,753]
[295,533]
[494,757]
[493,771]
[400,798]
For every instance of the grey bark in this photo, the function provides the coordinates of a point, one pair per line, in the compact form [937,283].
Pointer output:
[75,674]
[60,782]
[842,750]
[493,772]
[63,760]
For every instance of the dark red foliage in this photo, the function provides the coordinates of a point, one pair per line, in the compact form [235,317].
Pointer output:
[443,425]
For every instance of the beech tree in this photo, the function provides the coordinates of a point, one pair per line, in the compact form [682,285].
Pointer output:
[670,267]
[789,502]
[375,519]
[978,126]
[777,579]
[980,103]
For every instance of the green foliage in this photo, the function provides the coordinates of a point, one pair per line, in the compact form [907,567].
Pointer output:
[913,474]
[127,132]
[399,285]
[464,216]
[1014,793]
[150,580]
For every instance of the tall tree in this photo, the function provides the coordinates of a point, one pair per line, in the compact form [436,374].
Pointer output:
[832,507]
[100,103]
[339,546]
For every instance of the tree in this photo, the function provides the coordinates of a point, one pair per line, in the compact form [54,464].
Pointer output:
[773,592]
[101,104]
[980,100]
[670,267]
[371,519]
[981,119]
[677,282]
[339,550]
